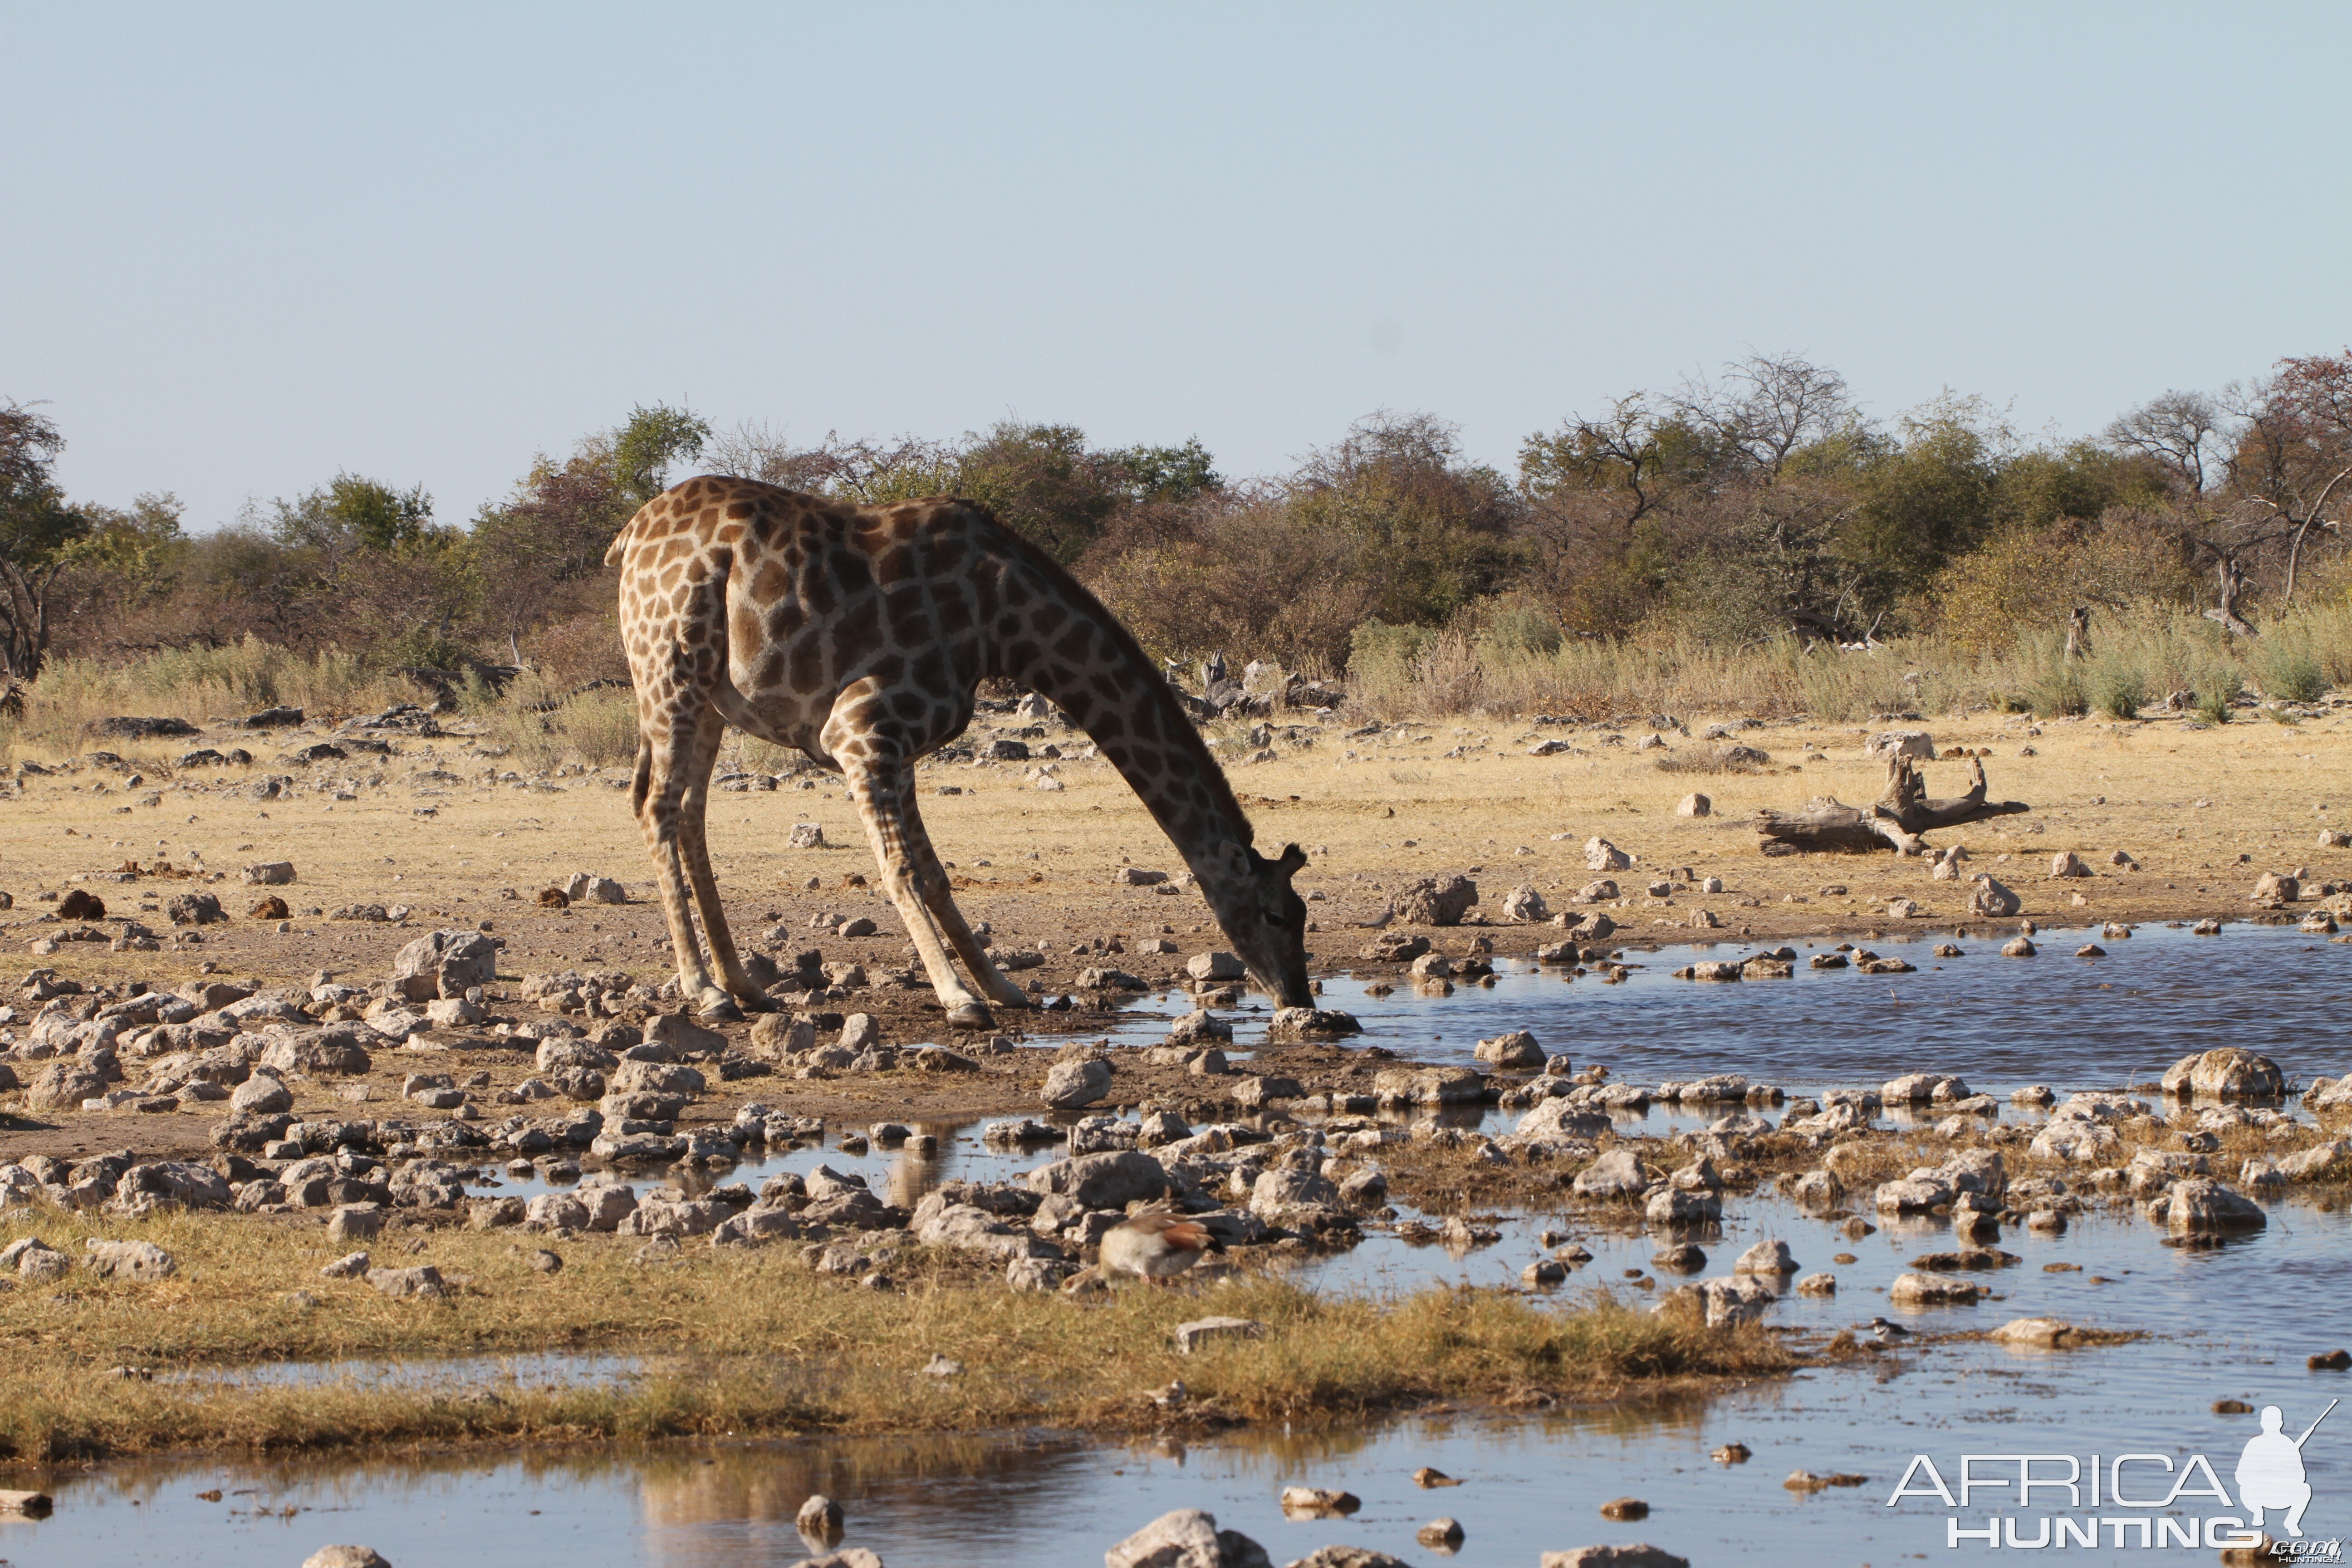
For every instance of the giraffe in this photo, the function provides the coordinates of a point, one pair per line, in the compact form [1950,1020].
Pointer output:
[858,634]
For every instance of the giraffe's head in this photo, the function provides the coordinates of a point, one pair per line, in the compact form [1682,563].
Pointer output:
[1264,919]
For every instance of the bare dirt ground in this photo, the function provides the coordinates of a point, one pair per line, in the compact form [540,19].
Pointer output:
[2201,811]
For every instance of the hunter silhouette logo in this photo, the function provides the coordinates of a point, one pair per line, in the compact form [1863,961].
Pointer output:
[2147,1500]
[2270,1472]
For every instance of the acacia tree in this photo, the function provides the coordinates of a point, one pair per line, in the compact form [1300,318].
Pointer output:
[35,528]
[533,555]
[1427,532]
[2293,450]
[1764,409]
[2184,434]
[1733,496]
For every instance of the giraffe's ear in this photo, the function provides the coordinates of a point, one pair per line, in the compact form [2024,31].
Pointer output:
[1293,859]
[1233,859]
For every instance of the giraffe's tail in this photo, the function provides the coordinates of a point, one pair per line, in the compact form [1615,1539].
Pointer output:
[620,545]
[724,696]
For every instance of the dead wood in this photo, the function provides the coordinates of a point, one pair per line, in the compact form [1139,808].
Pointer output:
[1894,821]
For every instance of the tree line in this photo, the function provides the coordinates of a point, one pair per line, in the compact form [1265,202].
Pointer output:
[1756,504]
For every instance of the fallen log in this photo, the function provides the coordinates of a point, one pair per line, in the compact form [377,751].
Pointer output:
[1895,820]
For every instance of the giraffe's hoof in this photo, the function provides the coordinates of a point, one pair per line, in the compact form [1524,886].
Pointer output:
[720,1010]
[971,1016]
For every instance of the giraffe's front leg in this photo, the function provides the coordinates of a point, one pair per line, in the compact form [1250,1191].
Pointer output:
[883,791]
[941,900]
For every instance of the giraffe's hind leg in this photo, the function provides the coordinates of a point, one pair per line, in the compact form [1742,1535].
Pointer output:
[665,794]
[694,848]
[940,899]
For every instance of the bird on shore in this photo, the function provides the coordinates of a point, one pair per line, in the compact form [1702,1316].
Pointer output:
[1153,1246]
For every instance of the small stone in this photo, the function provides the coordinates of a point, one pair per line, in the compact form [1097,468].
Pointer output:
[1440,1532]
[1600,854]
[1732,1454]
[1695,805]
[1319,1500]
[1770,1257]
[1436,900]
[1217,967]
[1806,1481]
[1187,1537]
[261,1095]
[35,1262]
[1202,1332]
[2227,1072]
[1517,1051]
[346,1557]
[128,1260]
[1640,1554]
[2037,1333]
[1070,1085]
[1427,1477]
[1930,1291]
[1625,1508]
[820,1519]
[424,1283]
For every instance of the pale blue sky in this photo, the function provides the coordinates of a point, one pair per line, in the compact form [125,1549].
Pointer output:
[250,245]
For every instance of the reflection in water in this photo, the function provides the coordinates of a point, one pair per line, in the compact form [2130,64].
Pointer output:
[1044,1500]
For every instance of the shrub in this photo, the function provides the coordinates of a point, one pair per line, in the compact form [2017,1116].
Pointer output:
[2061,692]
[2121,691]
[2291,672]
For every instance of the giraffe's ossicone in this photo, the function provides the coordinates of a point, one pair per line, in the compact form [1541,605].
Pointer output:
[859,635]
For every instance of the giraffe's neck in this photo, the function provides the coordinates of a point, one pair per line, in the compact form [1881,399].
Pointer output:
[1126,706]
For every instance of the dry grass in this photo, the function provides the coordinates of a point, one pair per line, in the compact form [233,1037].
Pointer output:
[194,684]
[2138,655]
[745,1341]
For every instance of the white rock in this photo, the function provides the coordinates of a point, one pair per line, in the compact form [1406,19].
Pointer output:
[1214,966]
[1069,1085]
[1890,743]
[1191,1337]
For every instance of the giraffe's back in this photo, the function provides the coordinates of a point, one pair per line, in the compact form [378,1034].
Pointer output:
[899,601]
